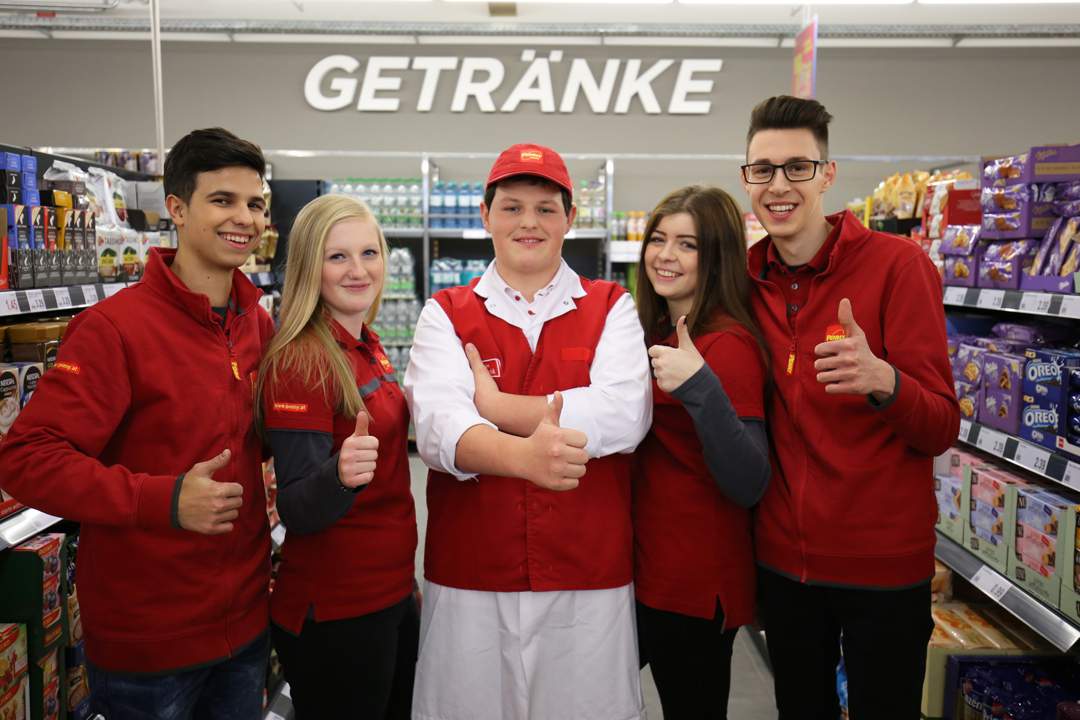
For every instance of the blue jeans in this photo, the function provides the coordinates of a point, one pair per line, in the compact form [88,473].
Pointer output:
[229,690]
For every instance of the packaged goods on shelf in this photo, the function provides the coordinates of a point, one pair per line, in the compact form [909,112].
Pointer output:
[1002,377]
[629,225]
[941,585]
[397,203]
[1046,393]
[1041,543]
[13,654]
[990,517]
[949,493]
[13,700]
[450,272]
[591,202]
[1018,688]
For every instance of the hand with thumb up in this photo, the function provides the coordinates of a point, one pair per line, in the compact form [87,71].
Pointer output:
[555,456]
[205,505]
[847,366]
[356,459]
[672,366]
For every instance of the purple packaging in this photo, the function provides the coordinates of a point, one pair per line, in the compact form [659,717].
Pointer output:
[10,161]
[968,365]
[1039,334]
[1003,372]
[1001,345]
[1071,264]
[1007,198]
[1067,191]
[1046,245]
[1002,264]
[1066,208]
[961,270]
[1006,170]
[1001,410]
[959,239]
[1032,220]
[1041,164]
[970,397]
[1067,234]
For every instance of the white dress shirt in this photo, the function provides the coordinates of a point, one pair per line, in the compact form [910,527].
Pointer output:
[565,655]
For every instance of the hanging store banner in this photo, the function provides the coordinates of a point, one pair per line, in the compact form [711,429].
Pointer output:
[546,81]
[804,71]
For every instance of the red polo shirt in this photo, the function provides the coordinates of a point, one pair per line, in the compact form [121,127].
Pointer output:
[364,561]
[693,546]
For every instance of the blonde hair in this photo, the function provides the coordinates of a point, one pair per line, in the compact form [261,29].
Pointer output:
[304,344]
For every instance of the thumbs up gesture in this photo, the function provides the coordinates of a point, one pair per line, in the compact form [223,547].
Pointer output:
[848,366]
[205,505]
[555,456]
[356,459]
[672,366]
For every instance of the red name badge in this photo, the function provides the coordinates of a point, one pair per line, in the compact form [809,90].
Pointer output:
[494,366]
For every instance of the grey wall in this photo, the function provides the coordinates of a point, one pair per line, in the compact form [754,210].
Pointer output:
[899,102]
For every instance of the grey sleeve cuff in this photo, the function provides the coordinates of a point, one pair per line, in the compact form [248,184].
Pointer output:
[889,400]
[174,512]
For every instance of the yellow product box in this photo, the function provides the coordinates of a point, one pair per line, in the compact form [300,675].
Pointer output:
[988,526]
[13,654]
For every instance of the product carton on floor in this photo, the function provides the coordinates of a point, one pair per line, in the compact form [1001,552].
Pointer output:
[1041,544]
[989,526]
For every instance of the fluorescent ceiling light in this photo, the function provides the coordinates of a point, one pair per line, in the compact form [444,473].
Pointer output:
[324,38]
[195,37]
[884,42]
[998,2]
[32,34]
[508,39]
[581,2]
[794,2]
[1018,42]
[660,41]
[100,35]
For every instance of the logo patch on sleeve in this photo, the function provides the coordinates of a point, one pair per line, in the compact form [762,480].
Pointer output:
[289,407]
[68,367]
[384,363]
[494,366]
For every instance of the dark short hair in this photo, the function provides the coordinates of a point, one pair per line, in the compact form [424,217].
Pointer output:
[205,151]
[784,112]
[489,193]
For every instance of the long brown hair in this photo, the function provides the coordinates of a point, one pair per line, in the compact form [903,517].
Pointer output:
[723,282]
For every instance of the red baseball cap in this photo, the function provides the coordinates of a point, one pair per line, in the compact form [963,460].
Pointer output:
[529,159]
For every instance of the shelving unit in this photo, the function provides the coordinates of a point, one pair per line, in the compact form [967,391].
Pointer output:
[1033,458]
[40,300]
[23,525]
[1015,301]
[1044,620]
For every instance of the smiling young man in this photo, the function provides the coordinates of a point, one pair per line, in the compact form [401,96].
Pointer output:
[143,434]
[528,388]
[861,404]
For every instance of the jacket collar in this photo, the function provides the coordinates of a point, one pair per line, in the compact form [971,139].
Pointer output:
[161,279]
[850,231]
[345,338]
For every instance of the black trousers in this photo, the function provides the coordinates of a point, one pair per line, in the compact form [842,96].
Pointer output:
[690,659]
[885,633]
[354,669]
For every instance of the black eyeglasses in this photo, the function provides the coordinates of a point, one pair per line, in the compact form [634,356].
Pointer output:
[794,171]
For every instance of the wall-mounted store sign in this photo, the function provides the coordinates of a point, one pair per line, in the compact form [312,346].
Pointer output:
[612,86]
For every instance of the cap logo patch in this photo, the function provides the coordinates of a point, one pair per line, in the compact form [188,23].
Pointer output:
[532,156]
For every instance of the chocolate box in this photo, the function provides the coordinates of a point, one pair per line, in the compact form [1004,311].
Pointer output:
[1045,394]
[1001,410]
[1040,557]
[1032,220]
[970,397]
[1041,164]
[13,654]
[988,523]
[961,270]
[968,364]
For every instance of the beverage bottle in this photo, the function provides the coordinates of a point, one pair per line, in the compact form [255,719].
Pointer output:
[477,201]
[584,206]
[450,205]
[437,197]
[416,203]
[599,213]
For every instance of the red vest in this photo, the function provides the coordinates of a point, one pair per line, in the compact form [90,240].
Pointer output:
[693,546]
[503,534]
[364,561]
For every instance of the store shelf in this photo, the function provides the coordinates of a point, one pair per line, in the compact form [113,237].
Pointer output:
[624,251]
[1041,618]
[261,279]
[23,525]
[396,343]
[403,233]
[26,302]
[1018,301]
[399,296]
[1034,458]
[280,705]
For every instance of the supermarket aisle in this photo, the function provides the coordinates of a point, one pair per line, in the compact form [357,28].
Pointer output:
[751,684]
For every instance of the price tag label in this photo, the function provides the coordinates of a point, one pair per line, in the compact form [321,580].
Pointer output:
[63,297]
[955,295]
[1072,476]
[990,583]
[1038,303]
[1032,457]
[278,534]
[965,430]
[991,441]
[90,293]
[113,288]
[479,234]
[9,304]
[990,299]
[1070,306]
[36,298]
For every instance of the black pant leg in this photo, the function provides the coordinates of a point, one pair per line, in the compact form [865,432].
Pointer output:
[408,648]
[342,668]
[885,637]
[803,637]
[690,660]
